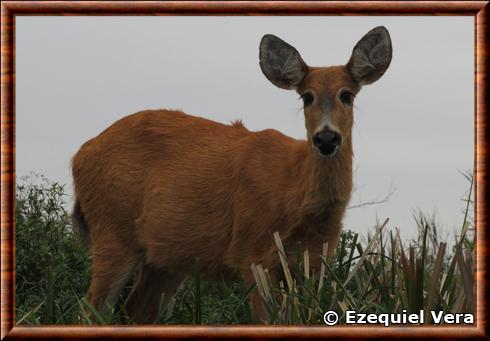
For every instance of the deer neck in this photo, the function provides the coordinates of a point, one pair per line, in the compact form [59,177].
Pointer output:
[328,180]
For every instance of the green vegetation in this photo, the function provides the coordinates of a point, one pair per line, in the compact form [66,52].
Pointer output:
[382,275]
[51,266]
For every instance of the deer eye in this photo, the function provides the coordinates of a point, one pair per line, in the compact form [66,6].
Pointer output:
[347,97]
[307,98]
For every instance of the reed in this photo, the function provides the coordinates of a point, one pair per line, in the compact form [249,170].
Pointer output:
[381,275]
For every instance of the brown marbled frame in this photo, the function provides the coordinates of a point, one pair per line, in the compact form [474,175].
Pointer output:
[11,9]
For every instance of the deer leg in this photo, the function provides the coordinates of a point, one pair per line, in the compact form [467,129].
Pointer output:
[112,264]
[144,299]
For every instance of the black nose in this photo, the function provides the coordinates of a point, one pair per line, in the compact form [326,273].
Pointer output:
[327,142]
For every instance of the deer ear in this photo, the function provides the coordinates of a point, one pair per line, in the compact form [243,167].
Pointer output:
[371,56]
[281,63]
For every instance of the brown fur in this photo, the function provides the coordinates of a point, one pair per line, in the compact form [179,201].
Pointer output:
[159,188]
[163,188]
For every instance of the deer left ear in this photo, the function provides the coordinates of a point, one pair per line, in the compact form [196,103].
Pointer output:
[371,56]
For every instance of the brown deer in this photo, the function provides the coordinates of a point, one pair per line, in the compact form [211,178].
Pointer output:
[159,188]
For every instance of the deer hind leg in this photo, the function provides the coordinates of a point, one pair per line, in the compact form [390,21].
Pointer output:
[144,299]
[112,264]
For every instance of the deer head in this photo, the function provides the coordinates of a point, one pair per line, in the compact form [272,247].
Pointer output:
[328,92]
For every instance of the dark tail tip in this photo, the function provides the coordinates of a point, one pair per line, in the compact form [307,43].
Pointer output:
[80,224]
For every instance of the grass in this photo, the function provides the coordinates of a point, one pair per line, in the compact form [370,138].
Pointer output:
[382,275]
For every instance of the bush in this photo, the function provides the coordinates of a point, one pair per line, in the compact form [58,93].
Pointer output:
[51,266]
[380,276]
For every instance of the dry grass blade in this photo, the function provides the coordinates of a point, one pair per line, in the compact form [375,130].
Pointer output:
[169,309]
[282,311]
[470,266]
[322,267]
[458,303]
[368,249]
[465,271]
[282,257]
[336,281]
[419,284]
[295,298]
[463,232]
[450,272]
[260,288]
[306,262]
[408,276]
[264,279]
[435,280]
[33,311]
[343,306]
[411,258]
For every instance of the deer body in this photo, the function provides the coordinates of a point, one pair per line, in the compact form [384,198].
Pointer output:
[160,188]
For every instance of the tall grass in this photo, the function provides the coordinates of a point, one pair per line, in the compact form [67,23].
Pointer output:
[382,275]
[51,266]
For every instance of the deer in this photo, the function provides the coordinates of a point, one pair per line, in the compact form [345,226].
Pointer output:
[160,188]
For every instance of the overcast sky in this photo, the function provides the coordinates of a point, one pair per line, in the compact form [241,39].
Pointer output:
[413,130]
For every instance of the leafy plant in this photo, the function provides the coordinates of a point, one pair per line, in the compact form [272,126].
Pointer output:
[382,275]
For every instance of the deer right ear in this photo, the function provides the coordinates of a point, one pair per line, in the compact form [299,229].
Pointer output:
[281,63]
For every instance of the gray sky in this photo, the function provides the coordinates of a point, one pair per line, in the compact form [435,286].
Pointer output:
[413,128]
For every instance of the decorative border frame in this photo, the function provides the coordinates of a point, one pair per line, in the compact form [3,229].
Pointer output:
[11,9]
